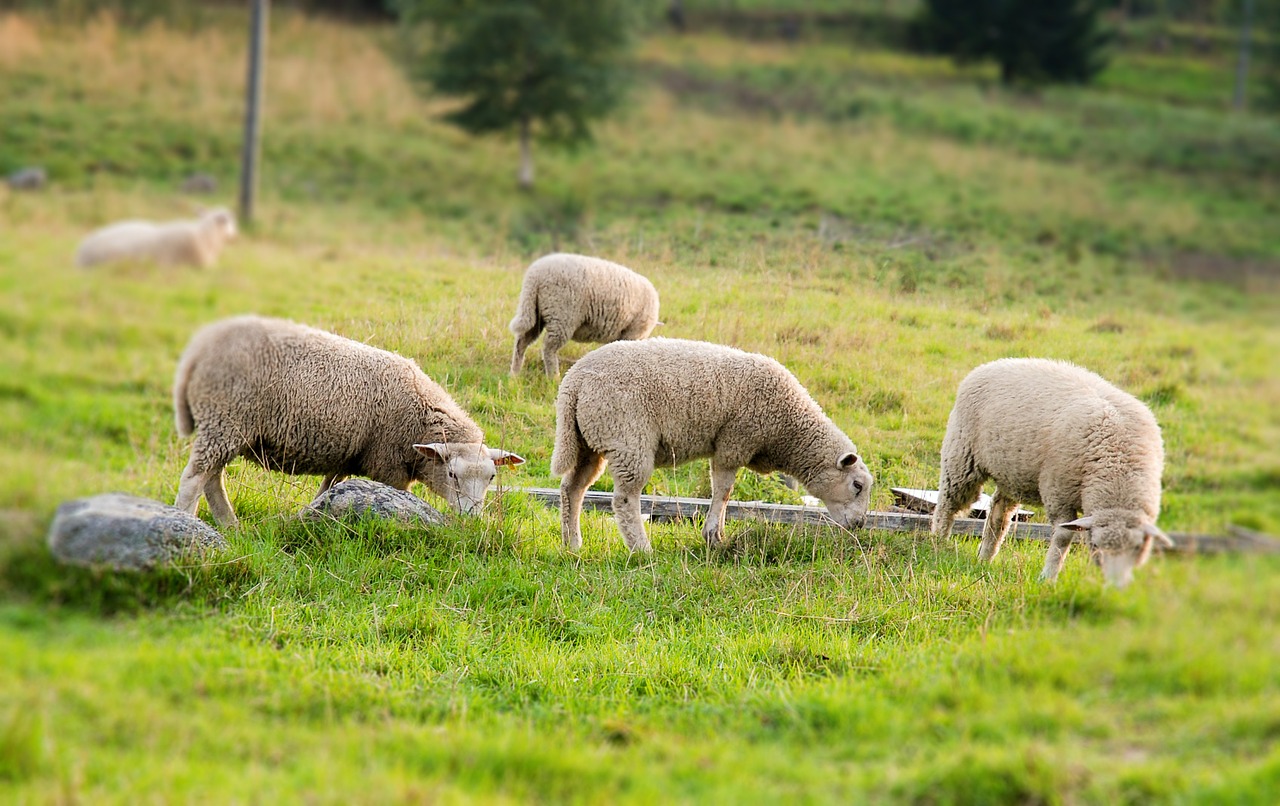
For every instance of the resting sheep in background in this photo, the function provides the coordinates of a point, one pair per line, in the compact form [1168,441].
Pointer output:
[578,298]
[664,402]
[1050,432]
[299,400]
[175,243]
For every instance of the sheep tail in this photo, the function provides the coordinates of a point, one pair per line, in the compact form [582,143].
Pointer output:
[182,416]
[526,311]
[564,457]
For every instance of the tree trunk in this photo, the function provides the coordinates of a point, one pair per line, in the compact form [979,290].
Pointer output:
[1242,64]
[1007,74]
[250,148]
[525,177]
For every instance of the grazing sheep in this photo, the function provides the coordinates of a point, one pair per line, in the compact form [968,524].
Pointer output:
[580,298]
[300,400]
[664,402]
[175,243]
[1050,432]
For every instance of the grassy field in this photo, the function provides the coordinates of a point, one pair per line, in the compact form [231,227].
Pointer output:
[880,223]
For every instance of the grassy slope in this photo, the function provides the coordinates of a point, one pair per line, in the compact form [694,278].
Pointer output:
[880,257]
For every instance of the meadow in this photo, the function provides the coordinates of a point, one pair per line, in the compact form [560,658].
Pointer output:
[879,222]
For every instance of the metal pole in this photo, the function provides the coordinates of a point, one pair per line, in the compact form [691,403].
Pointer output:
[253,111]
[1242,66]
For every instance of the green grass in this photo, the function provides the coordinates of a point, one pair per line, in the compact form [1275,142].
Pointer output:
[880,257]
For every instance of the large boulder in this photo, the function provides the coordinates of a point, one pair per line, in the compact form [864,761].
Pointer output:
[127,533]
[357,498]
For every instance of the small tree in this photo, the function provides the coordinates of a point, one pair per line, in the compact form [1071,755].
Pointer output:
[1033,41]
[556,65]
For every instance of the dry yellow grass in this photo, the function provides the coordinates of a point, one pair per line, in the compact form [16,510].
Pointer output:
[19,40]
[319,71]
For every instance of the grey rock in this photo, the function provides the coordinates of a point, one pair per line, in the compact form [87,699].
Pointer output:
[355,498]
[199,183]
[127,533]
[32,177]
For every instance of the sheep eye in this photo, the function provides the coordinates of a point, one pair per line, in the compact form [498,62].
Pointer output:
[857,487]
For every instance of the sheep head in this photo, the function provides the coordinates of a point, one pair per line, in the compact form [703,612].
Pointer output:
[845,488]
[462,472]
[1119,541]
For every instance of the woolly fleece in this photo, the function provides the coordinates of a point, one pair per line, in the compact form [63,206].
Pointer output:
[664,402]
[176,243]
[579,298]
[1053,433]
[300,400]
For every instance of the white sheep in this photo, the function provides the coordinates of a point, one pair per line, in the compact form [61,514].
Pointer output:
[579,298]
[299,400]
[663,402]
[1050,432]
[174,243]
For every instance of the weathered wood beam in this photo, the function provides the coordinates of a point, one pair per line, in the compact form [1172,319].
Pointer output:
[669,508]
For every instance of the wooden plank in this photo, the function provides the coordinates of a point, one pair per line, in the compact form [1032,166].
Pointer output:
[926,501]
[669,508]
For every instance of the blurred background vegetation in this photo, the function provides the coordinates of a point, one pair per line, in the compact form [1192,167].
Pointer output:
[803,179]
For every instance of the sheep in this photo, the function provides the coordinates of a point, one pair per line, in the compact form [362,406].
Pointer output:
[663,402]
[1053,433]
[299,400]
[174,243]
[579,298]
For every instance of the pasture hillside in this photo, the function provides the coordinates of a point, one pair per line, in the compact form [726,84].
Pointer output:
[879,222]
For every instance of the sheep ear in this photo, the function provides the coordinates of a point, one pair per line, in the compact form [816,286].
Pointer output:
[436,450]
[1151,530]
[1079,525]
[848,460]
[501,457]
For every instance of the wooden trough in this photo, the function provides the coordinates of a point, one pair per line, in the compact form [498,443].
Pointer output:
[668,508]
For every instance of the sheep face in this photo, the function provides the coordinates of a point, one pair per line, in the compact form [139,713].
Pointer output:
[1119,541]
[223,220]
[462,473]
[845,487]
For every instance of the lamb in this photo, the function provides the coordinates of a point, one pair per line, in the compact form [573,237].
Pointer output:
[299,400]
[1053,433]
[580,298]
[175,243]
[663,402]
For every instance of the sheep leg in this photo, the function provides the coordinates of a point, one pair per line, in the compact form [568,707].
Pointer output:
[522,343]
[721,487]
[1059,544]
[219,506]
[997,526]
[329,481]
[626,511]
[573,488]
[958,488]
[630,474]
[553,339]
[189,489]
[944,517]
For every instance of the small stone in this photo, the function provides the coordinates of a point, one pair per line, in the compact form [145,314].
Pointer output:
[32,177]
[356,498]
[199,183]
[127,533]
